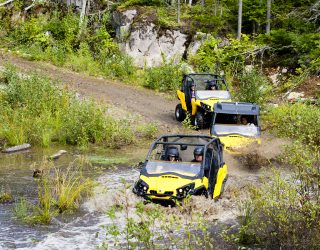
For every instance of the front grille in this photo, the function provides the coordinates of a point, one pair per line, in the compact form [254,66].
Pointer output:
[168,193]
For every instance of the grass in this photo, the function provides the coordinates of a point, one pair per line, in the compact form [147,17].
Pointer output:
[35,109]
[59,191]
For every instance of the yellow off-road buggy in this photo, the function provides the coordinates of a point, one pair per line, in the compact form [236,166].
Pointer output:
[236,124]
[208,90]
[161,179]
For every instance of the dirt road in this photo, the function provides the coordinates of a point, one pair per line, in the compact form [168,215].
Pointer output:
[151,105]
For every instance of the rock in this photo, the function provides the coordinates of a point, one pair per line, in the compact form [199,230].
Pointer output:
[274,79]
[197,40]
[57,155]
[150,45]
[17,148]
[294,96]
[284,71]
[248,68]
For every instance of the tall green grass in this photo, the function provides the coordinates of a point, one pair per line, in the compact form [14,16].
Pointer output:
[37,110]
[297,121]
[59,190]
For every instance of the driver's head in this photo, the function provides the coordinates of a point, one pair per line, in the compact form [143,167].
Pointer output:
[244,120]
[173,154]
[212,85]
[198,153]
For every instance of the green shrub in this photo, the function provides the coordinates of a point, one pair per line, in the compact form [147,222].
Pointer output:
[35,110]
[166,77]
[298,121]
[284,212]
[253,87]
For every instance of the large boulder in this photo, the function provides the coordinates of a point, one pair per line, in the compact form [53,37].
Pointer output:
[150,45]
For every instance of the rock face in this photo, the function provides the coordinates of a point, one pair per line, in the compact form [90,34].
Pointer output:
[150,45]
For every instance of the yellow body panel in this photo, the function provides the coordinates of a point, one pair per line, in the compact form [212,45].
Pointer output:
[222,174]
[182,98]
[170,183]
[197,103]
[234,143]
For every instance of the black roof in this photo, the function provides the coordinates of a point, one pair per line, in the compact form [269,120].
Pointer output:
[242,108]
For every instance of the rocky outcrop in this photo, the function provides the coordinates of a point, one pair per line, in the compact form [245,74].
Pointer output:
[150,45]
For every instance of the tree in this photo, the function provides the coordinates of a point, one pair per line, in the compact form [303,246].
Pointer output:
[239,19]
[268,16]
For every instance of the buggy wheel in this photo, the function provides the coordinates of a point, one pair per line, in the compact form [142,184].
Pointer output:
[199,120]
[180,113]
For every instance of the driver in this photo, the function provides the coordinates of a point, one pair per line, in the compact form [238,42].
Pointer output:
[173,154]
[198,154]
[212,85]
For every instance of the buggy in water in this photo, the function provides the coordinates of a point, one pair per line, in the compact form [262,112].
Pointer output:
[181,165]
[237,125]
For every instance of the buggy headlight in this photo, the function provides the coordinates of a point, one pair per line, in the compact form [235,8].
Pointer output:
[206,107]
[140,188]
[183,191]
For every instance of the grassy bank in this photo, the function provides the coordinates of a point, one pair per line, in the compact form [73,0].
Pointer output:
[284,212]
[37,110]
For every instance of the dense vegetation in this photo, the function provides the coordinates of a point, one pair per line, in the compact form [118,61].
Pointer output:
[284,211]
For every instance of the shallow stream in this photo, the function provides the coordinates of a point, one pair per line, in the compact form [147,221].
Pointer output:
[82,230]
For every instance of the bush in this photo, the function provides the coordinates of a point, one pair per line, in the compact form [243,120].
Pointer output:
[253,87]
[35,110]
[166,77]
[284,213]
[298,121]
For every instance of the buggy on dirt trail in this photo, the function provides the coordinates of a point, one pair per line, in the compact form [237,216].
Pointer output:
[161,179]
[208,90]
[236,124]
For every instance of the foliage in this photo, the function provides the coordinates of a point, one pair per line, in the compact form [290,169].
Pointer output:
[148,131]
[36,110]
[187,123]
[58,192]
[213,57]
[166,77]
[298,121]
[253,87]
[284,211]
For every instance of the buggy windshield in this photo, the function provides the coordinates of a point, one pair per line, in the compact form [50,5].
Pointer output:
[208,94]
[190,169]
[245,130]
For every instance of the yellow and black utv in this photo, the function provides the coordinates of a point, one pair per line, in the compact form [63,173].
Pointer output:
[236,124]
[198,93]
[181,165]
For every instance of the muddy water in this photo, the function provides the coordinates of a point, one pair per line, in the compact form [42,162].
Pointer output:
[80,230]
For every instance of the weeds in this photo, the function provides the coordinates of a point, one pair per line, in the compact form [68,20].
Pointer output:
[59,190]
[34,109]
[298,121]
[187,122]
[284,211]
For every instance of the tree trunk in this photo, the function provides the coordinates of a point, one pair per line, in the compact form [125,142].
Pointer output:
[239,19]
[268,16]
[190,2]
[202,3]
[216,6]
[178,11]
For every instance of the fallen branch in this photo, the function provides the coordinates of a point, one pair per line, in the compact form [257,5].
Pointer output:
[5,3]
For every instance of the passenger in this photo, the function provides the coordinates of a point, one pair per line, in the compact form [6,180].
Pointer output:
[198,154]
[173,154]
